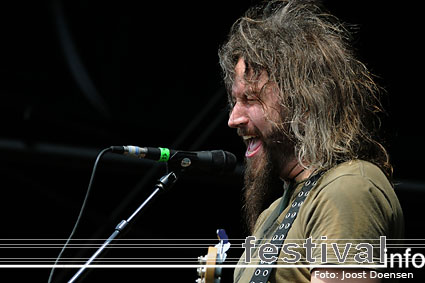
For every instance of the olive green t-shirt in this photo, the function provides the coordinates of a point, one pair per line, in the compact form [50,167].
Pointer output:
[351,203]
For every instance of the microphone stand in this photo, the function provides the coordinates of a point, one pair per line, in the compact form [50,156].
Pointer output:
[164,183]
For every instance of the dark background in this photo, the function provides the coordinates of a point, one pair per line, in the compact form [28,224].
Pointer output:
[79,76]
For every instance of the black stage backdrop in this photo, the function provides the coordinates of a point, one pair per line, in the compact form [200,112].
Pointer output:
[79,76]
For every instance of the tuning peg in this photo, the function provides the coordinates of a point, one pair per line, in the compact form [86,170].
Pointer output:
[202,259]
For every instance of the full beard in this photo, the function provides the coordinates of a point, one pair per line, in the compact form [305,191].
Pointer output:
[262,179]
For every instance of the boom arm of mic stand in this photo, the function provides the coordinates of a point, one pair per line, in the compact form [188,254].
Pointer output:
[166,182]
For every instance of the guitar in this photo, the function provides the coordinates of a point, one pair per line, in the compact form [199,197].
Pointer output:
[209,270]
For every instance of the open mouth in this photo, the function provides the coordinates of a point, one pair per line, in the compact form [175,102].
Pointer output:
[254,144]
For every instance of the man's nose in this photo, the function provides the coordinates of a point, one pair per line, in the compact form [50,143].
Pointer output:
[237,117]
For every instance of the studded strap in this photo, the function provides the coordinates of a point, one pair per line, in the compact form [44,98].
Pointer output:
[261,274]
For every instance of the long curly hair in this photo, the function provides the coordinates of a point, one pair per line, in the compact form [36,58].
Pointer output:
[329,102]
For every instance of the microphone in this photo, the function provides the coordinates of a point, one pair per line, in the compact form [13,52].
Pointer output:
[215,160]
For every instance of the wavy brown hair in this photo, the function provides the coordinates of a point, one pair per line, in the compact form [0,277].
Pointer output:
[328,99]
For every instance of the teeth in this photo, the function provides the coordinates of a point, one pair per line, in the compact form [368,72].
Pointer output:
[248,137]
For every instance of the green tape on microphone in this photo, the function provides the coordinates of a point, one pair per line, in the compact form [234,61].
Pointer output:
[164,154]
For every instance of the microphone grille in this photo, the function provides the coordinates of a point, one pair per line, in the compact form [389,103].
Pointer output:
[224,160]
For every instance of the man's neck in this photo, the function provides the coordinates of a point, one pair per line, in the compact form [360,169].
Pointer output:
[305,174]
[299,173]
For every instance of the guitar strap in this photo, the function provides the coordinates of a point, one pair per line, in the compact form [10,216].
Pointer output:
[261,274]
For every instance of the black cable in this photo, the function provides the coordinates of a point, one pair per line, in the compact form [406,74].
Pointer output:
[81,210]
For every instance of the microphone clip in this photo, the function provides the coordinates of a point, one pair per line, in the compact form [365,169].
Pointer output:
[167,181]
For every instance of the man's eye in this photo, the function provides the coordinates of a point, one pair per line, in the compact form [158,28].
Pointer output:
[250,98]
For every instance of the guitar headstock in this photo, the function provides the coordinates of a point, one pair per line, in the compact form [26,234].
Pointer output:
[209,270]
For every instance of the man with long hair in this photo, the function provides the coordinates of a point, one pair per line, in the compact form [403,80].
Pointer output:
[304,105]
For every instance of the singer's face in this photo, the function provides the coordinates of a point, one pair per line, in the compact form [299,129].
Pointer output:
[255,113]
[254,107]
